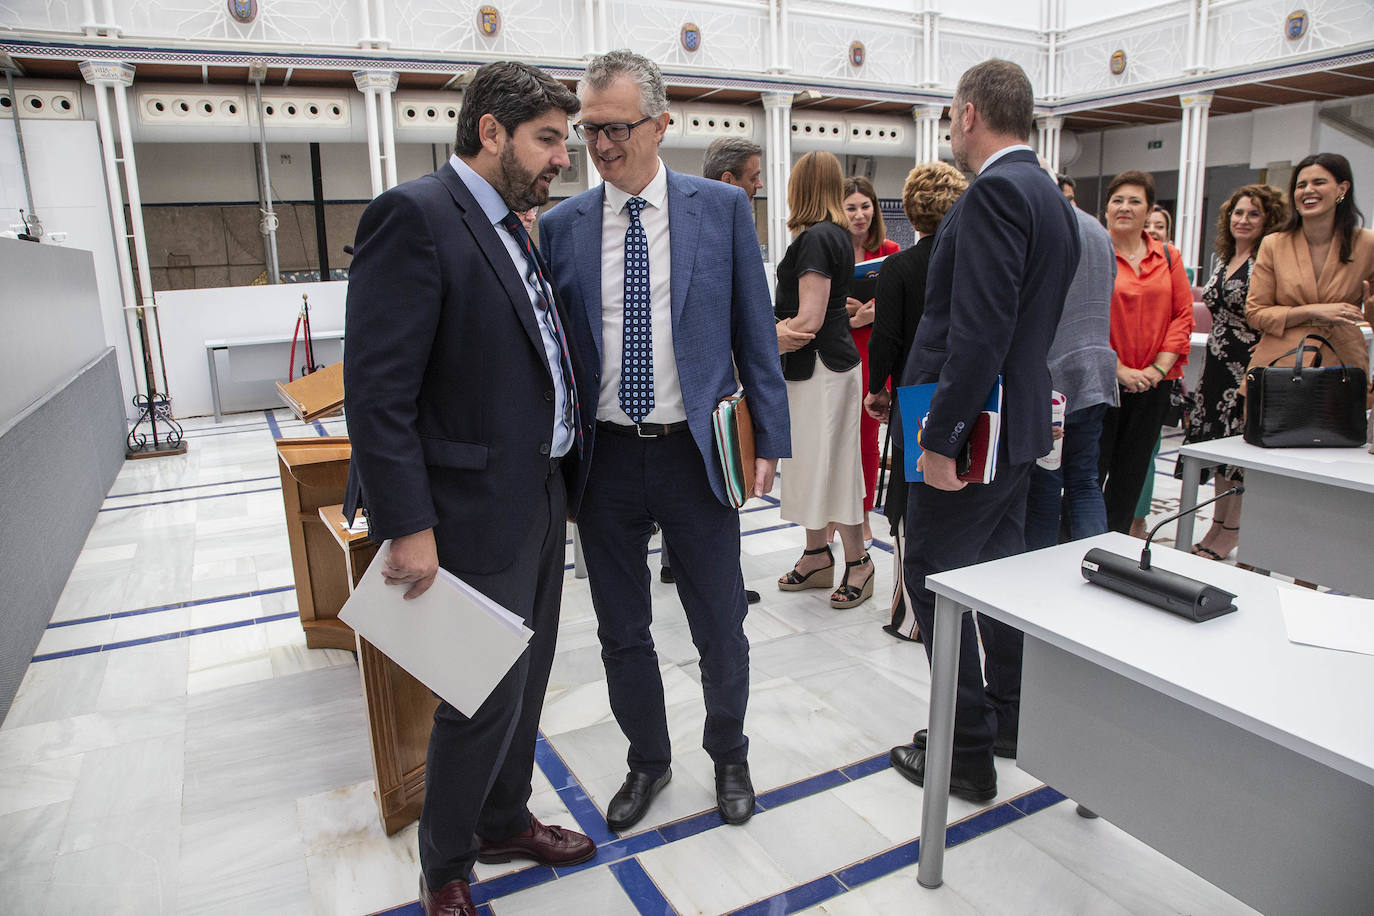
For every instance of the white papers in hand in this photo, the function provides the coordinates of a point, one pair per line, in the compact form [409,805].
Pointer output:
[453,639]
[1329,621]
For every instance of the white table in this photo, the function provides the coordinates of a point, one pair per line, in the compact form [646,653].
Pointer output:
[256,359]
[1308,511]
[1245,757]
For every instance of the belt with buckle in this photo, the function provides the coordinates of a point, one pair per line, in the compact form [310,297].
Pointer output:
[643,430]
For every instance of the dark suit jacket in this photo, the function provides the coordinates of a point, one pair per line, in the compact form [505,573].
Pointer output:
[1002,262]
[722,314]
[449,395]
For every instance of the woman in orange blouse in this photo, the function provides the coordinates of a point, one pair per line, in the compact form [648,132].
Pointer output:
[1151,319]
[1313,276]
[869,236]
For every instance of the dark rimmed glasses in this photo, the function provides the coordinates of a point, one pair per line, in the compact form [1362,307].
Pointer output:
[618,132]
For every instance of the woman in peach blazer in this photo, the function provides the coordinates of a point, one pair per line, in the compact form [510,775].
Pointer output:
[1288,297]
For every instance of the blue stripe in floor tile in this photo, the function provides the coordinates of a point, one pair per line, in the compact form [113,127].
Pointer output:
[187,499]
[884,863]
[194,486]
[161,637]
[981,823]
[801,789]
[589,818]
[617,850]
[795,899]
[195,602]
[511,883]
[691,826]
[867,767]
[641,889]
[272,424]
[1038,800]
[319,428]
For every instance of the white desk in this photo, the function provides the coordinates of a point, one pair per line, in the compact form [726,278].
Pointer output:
[1246,758]
[261,359]
[1307,510]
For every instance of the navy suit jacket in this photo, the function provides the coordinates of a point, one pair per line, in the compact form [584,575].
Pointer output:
[722,314]
[448,392]
[1003,259]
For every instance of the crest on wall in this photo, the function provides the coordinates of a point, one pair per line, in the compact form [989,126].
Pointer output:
[489,21]
[857,54]
[691,37]
[1118,62]
[1295,26]
[243,11]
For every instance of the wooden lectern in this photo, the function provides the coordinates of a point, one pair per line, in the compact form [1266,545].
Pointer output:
[400,710]
[313,474]
[316,395]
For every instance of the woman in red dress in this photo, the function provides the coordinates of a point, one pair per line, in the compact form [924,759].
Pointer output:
[869,235]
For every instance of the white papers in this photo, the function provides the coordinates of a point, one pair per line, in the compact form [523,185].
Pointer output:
[1330,621]
[453,639]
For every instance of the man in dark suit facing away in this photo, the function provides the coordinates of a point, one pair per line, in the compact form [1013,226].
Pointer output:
[1001,265]
[462,411]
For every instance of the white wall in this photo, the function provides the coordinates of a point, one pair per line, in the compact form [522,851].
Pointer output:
[1082,12]
[1361,156]
[68,180]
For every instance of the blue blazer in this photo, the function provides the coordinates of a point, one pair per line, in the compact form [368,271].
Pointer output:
[1003,259]
[722,314]
[448,391]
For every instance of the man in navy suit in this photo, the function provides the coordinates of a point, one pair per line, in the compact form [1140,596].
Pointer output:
[999,271]
[465,428]
[666,296]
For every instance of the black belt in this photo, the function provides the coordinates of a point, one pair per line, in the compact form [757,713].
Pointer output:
[643,430]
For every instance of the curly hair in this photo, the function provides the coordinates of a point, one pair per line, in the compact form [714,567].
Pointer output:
[1271,205]
[930,190]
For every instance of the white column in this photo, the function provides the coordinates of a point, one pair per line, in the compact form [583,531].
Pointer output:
[1192,163]
[927,132]
[589,29]
[777,108]
[376,87]
[1050,130]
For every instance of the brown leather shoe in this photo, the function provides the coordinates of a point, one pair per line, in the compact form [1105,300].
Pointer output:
[453,899]
[551,846]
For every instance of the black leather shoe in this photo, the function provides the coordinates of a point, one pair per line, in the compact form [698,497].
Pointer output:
[911,763]
[751,596]
[734,792]
[665,575]
[1002,747]
[632,799]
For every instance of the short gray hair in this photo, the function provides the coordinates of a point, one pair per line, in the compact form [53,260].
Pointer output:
[605,69]
[728,154]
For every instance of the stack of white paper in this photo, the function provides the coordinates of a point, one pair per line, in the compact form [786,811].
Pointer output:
[453,639]
[1330,621]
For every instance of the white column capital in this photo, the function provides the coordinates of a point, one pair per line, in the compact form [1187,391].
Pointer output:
[107,72]
[773,101]
[931,112]
[1200,101]
[1053,122]
[376,80]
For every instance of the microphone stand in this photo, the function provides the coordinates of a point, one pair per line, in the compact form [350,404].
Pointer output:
[1145,552]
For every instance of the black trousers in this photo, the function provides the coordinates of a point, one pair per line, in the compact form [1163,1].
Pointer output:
[1129,433]
[478,768]
[948,530]
[634,483]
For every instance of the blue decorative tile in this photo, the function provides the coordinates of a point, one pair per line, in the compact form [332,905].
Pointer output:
[884,863]
[516,881]
[809,786]
[616,850]
[641,889]
[1037,800]
[798,898]
[691,826]
[272,424]
[193,486]
[187,499]
[981,823]
[875,764]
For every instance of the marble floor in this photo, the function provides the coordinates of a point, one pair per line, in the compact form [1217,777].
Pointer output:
[175,747]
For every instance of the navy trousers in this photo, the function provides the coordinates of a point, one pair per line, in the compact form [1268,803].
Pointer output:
[634,483]
[948,530]
[478,768]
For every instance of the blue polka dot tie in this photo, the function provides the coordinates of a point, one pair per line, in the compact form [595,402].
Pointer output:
[637,349]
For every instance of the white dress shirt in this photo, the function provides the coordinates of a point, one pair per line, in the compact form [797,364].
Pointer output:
[615,220]
[1002,152]
[495,210]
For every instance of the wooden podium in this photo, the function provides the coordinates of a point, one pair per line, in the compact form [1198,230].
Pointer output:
[400,710]
[313,474]
[316,395]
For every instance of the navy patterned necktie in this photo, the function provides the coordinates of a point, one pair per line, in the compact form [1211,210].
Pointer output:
[637,349]
[549,316]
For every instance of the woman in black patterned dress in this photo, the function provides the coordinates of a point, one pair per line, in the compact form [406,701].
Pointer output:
[1218,408]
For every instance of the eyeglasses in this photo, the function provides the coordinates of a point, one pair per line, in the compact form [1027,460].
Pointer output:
[618,132]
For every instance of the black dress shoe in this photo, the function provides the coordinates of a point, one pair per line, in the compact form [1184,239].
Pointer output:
[911,763]
[632,799]
[734,792]
[1002,747]
[665,575]
[751,596]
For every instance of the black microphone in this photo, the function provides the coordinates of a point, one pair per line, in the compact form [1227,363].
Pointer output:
[1170,591]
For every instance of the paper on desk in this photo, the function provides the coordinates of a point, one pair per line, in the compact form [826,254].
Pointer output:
[453,639]
[1330,621]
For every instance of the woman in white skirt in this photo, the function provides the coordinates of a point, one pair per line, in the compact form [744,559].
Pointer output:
[823,480]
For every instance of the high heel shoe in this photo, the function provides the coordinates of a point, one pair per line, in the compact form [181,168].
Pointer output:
[851,596]
[794,581]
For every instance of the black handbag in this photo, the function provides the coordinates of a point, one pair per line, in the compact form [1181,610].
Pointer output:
[1313,406]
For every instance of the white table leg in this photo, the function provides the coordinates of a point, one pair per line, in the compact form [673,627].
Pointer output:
[1187,498]
[944,680]
[214,382]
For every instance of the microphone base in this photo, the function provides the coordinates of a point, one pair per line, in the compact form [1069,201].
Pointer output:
[1161,588]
